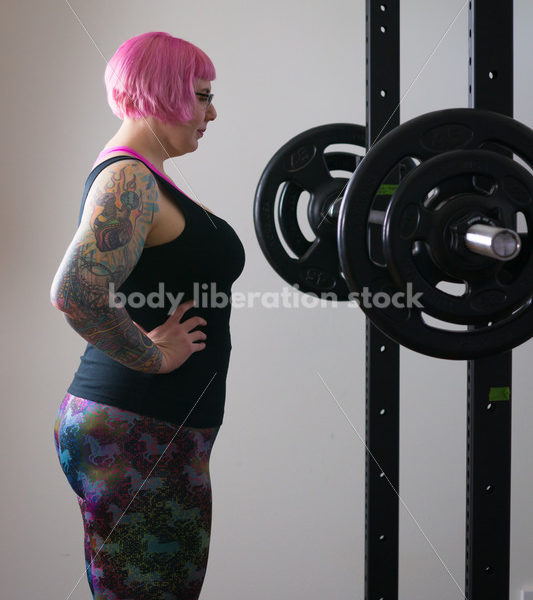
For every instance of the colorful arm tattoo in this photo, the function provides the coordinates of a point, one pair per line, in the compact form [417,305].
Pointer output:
[118,211]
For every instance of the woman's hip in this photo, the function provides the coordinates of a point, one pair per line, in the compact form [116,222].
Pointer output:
[100,446]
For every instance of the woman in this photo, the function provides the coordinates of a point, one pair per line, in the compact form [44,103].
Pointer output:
[137,424]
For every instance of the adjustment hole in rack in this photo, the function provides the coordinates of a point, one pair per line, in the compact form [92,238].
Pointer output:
[489,489]
[382,411]
[382,7]
[383,93]
[383,29]
[489,406]
[493,74]
[489,570]
[381,538]
[382,348]
[381,475]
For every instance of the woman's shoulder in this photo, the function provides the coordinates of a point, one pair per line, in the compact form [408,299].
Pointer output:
[159,177]
[125,157]
[132,168]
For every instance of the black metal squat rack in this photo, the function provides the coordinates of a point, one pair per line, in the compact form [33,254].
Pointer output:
[489,379]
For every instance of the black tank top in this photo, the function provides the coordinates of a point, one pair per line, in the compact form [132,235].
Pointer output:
[201,263]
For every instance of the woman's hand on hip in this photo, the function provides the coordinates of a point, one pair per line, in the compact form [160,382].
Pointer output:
[175,339]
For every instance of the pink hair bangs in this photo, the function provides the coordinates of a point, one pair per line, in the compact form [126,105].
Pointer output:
[153,74]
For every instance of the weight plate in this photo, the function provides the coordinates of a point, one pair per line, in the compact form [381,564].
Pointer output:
[423,139]
[303,165]
[492,288]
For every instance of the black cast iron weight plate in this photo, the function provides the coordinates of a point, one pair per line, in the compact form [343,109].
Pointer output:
[423,139]
[302,165]
[493,289]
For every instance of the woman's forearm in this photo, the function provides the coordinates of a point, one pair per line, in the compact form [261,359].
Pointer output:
[114,333]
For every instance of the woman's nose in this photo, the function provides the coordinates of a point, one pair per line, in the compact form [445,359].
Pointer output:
[211,113]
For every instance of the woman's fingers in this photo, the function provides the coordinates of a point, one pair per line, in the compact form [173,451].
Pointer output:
[189,324]
[198,346]
[182,309]
[193,322]
[197,335]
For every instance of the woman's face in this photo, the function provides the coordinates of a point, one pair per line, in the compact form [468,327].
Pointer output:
[183,137]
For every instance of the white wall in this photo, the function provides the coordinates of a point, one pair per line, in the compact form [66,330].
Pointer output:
[287,467]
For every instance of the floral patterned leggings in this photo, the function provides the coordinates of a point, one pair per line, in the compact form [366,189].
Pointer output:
[145,497]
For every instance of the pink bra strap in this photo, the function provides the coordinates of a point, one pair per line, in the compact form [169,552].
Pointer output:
[140,157]
[120,148]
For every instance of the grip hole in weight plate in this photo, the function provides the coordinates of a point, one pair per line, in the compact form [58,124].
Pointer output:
[451,288]
[437,324]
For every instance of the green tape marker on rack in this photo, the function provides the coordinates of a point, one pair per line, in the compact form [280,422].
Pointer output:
[387,189]
[499,394]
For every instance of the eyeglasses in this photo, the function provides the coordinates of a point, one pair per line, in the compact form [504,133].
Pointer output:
[206,99]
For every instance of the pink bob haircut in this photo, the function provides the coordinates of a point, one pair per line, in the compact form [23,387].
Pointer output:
[153,74]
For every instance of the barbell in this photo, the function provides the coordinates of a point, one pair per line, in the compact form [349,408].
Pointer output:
[442,260]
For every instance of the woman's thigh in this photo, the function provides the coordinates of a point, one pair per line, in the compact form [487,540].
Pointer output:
[144,491]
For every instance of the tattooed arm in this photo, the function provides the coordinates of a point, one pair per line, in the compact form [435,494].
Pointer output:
[117,216]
